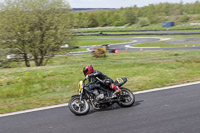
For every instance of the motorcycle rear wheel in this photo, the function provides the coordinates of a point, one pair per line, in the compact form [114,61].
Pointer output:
[128,98]
[78,107]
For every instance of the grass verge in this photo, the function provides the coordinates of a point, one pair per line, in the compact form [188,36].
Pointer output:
[128,36]
[25,88]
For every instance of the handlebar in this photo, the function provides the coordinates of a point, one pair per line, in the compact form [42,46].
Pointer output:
[84,80]
[96,78]
[99,79]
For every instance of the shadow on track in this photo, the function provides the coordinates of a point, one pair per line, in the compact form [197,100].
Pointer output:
[114,107]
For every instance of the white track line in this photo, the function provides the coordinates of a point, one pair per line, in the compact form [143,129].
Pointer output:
[161,39]
[63,105]
[167,88]
[33,110]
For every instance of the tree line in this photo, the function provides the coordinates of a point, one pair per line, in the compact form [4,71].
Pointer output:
[143,16]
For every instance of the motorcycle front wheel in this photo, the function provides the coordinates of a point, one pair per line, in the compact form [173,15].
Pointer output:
[127,98]
[78,107]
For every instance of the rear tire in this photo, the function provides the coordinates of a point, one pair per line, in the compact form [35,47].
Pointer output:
[128,98]
[78,107]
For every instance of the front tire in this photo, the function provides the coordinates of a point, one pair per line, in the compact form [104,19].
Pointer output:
[127,98]
[78,107]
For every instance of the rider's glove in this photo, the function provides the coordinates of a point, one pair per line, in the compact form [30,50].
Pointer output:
[107,82]
[87,77]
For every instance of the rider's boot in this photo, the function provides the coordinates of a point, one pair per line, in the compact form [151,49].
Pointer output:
[115,88]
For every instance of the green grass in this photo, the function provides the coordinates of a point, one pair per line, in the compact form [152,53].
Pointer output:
[163,44]
[24,88]
[129,36]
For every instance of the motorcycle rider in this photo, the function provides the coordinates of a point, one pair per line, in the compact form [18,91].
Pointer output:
[92,76]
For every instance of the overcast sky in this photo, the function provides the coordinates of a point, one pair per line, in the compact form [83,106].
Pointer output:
[117,3]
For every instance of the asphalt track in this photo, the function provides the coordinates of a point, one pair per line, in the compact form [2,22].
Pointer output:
[127,47]
[174,110]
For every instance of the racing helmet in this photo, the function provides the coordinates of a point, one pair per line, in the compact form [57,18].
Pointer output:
[88,69]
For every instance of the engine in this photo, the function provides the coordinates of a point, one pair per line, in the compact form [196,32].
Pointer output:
[99,94]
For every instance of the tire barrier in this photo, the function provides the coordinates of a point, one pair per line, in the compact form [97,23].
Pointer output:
[100,32]
[149,33]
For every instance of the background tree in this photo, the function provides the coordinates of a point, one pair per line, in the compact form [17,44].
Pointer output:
[36,27]
[152,14]
[129,16]
[101,18]
[109,20]
[184,19]
[80,20]
[92,19]
[116,19]
[155,13]
[143,22]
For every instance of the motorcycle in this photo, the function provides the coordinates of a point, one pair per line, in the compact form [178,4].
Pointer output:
[100,97]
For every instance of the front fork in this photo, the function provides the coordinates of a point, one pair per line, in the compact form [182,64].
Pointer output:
[81,96]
